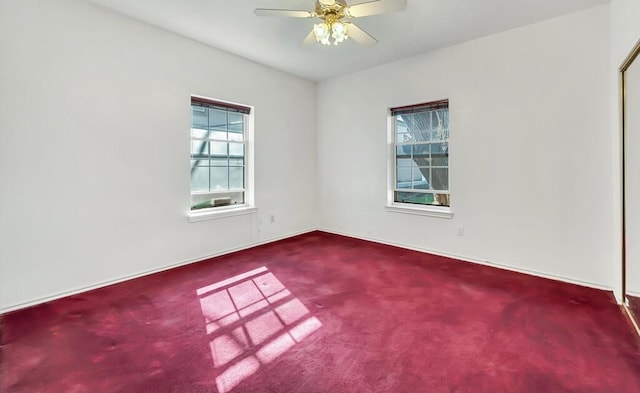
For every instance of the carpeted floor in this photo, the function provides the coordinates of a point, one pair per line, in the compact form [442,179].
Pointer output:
[324,313]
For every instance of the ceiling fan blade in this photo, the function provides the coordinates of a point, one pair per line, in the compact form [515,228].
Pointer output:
[360,36]
[375,8]
[310,39]
[287,13]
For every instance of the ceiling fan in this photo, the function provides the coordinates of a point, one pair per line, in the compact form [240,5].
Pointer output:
[335,26]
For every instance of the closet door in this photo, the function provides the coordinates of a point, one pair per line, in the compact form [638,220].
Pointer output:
[631,140]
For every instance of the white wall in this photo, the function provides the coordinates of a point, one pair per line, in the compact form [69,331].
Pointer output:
[94,146]
[530,149]
[625,32]
[625,28]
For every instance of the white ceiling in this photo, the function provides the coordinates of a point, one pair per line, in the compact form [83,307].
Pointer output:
[426,25]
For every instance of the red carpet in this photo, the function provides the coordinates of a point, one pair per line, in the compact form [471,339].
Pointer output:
[324,313]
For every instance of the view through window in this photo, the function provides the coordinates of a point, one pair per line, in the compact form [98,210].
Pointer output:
[218,153]
[421,149]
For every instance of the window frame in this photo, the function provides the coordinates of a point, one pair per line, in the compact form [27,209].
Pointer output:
[248,207]
[392,169]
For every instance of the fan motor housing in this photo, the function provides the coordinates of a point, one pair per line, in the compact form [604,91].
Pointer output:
[335,10]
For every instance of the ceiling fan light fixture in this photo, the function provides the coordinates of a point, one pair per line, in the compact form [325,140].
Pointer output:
[325,31]
[322,33]
[339,32]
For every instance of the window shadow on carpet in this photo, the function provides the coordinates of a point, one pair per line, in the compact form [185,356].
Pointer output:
[251,320]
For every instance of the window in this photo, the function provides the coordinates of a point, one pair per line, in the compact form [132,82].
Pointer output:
[421,154]
[218,153]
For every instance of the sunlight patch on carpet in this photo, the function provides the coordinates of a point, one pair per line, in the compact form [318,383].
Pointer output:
[251,320]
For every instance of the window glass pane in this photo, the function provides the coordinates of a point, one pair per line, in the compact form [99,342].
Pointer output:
[413,197]
[444,118]
[217,120]
[199,148]
[419,136]
[195,163]
[403,138]
[236,162]
[416,174]
[237,137]
[410,122]
[219,178]
[438,135]
[403,150]
[199,133]
[401,127]
[403,185]
[219,161]
[420,176]
[404,162]
[219,135]
[419,127]
[425,174]
[236,122]
[440,154]
[440,179]
[199,178]
[202,163]
[440,160]
[199,117]
[440,124]
[403,177]
[428,122]
[219,149]
[236,177]
[421,151]
[236,149]
[439,148]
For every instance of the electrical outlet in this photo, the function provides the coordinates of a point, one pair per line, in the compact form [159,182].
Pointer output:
[460,231]
[272,218]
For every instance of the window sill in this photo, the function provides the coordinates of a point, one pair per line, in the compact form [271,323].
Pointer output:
[219,212]
[432,211]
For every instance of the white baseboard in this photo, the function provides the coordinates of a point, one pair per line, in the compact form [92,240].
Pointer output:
[101,284]
[472,260]
[632,318]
